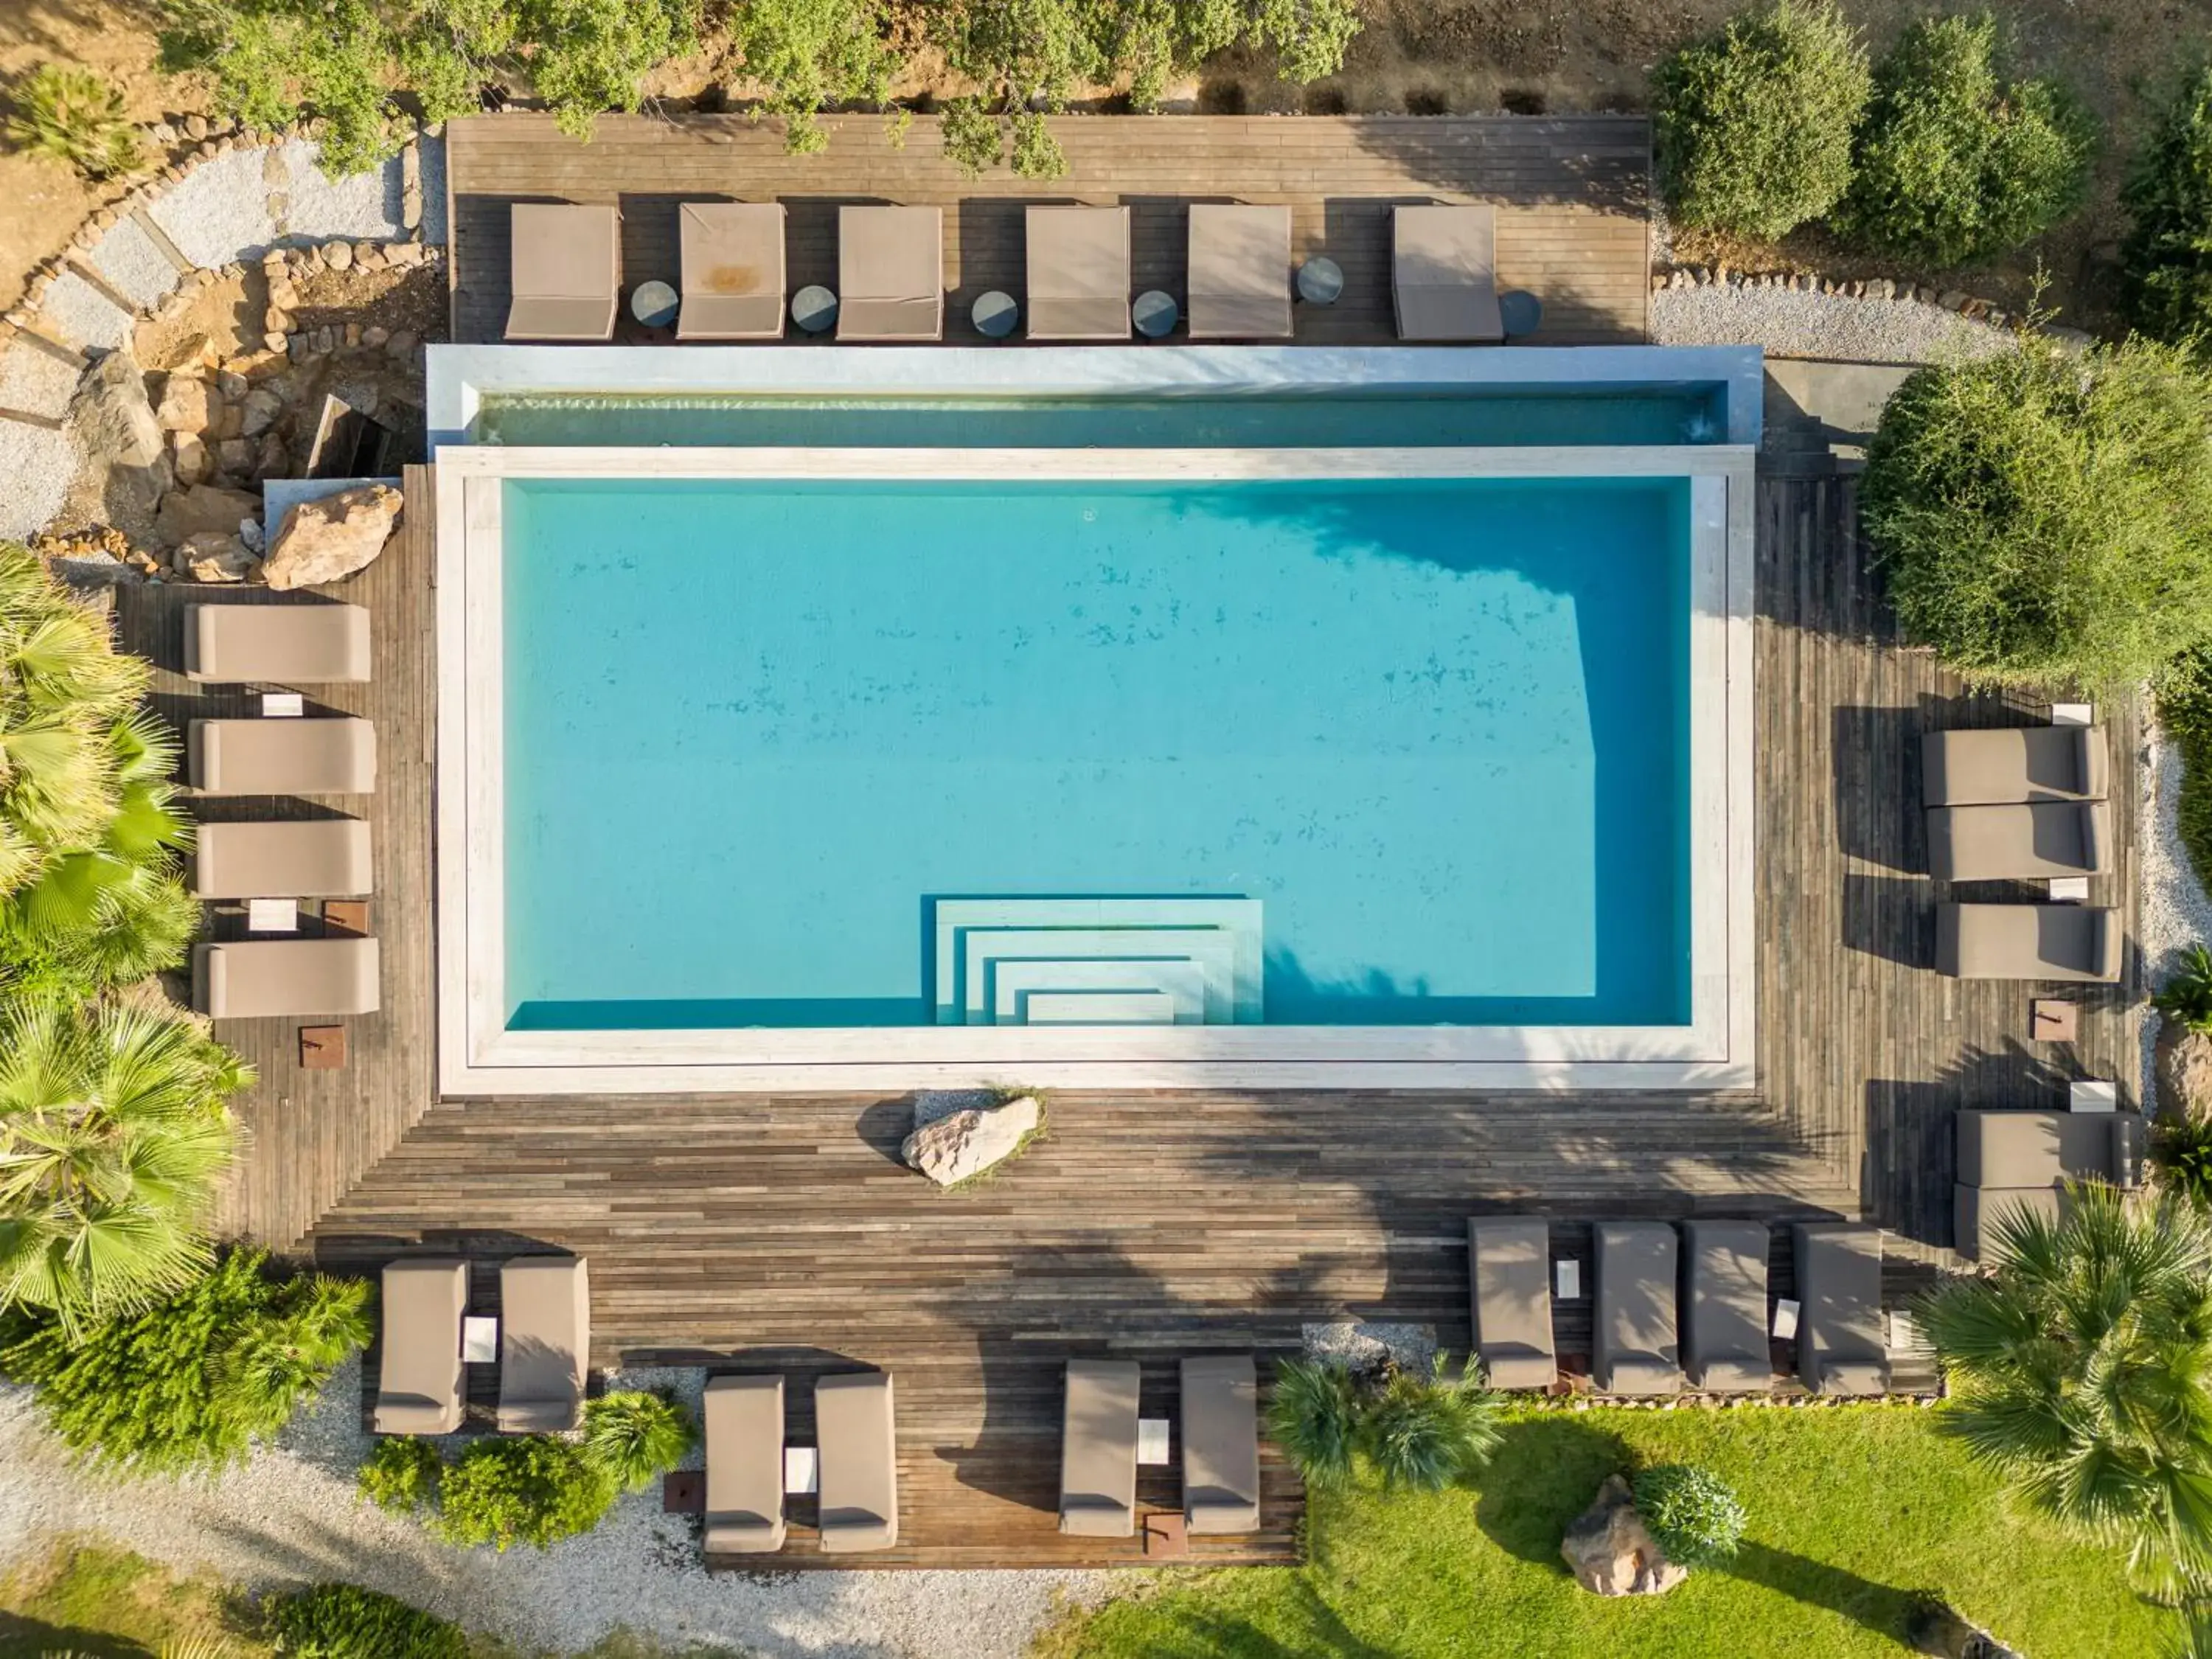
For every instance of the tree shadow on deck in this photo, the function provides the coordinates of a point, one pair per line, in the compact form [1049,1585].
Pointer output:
[1911,1130]
[1605,166]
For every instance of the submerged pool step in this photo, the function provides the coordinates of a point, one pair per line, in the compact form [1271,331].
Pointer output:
[1220,938]
[1013,981]
[1097,1008]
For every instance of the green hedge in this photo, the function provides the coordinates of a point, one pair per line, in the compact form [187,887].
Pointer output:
[344,1622]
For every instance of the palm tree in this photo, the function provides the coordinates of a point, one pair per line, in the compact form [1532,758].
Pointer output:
[2082,1369]
[114,1131]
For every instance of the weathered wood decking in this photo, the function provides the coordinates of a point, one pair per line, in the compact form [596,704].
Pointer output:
[1572,194]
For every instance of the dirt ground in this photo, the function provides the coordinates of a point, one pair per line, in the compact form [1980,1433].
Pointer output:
[1531,56]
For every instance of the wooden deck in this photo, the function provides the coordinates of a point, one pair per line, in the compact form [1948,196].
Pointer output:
[1572,195]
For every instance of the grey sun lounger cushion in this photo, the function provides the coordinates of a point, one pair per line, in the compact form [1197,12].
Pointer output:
[1510,1266]
[1078,273]
[544,1343]
[1637,1351]
[1240,272]
[2024,841]
[564,272]
[744,1465]
[269,979]
[2021,1160]
[890,273]
[1976,1211]
[2075,942]
[295,858]
[1220,1445]
[1841,1347]
[1724,1312]
[419,1380]
[1098,1449]
[287,644]
[732,259]
[2015,763]
[857,1431]
[1443,273]
[282,756]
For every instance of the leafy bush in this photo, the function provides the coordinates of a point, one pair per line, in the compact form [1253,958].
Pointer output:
[344,1622]
[1314,1417]
[74,116]
[2187,996]
[1953,165]
[401,1473]
[2182,1151]
[1427,1432]
[530,1489]
[1690,1513]
[635,1436]
[2167,261]
[193,1381]
[1753,126]
[813,52]
[2046,518]
[2183,691]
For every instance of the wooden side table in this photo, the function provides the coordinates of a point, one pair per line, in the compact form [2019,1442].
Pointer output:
[1166,1535]
[322,1047]
[2054,1019]
[346,916]
[683,1491]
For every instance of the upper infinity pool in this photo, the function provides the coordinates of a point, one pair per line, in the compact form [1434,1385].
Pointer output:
[757,731]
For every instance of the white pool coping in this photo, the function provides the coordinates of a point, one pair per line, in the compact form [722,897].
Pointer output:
[478,1056]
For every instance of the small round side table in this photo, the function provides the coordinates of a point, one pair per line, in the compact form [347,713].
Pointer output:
[1321,281]
[814,308]
[994,314]
[654,304]
[1155,313]
[1520,313]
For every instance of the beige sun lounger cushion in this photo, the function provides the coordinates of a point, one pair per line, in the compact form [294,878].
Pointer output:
[1724,1314]
[2015,763]
[2075,942]
[544,1343]
[291,978]
[744,1465]
[2026,841]
[890,273]
[564,272]
[297,857]
[1509,1265]
[1841,1347]
[732,257]
[282,756]
[289,644]
[1098,1449]
[1443,273]
[1637,1351]
[1078,273]
[856,1428]
[419,1380]
[2020,1160]
[1240,272]
[1220,1445]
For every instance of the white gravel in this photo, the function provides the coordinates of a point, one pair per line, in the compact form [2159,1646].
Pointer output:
[127,257]
[291,1515]
[2175,910]
[433,173]
[36,469]
[1799,323]
[83,315]
[37,382]
[366,205]
[220,209]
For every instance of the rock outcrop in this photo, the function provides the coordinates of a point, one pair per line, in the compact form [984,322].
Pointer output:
[204,509]
[328,540]
[1611,1552]
[962,1144]
[212,556]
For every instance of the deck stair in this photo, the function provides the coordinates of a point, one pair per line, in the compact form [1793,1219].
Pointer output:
[1097,961]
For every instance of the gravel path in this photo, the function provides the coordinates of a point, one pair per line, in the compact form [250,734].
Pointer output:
[1798,323]
[290,1514]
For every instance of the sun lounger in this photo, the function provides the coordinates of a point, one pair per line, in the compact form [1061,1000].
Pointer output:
[1220,1445]
[564,272]
[2021,1160]
[1443,273]
[732,259]
[289,644]
[269,979]
[282,756]
[1724,1325]
[544,1343]
[1841,1347]
[2026,841]
[857,1431]
[890,273]
[1637,1351]
[1078,273]
[744,1465]
[1098,1449]
[1510,1266]
[419,1380]
[1240,272]
[297,857]
[2028,941]
[2015,763]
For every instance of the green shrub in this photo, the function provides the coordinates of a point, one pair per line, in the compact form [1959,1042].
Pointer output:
[971,137]
[1427,1432]
[401,1475]
[2181,1150]
[2183,692]
[529,1489]
[1752,127]
[75,115]
[2186,995]
[635,1436]
[1690,1513]
[2167,261]
[344,1622]
[813,52]
[193,1382]
[2046,518]
[1314,1416]
[1953,165]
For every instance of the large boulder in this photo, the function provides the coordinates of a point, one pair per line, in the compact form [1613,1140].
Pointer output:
[1610,1551]
[326,540]
[188,404]
[127,457]
[962,1144]
[204,509]
[2185,1070]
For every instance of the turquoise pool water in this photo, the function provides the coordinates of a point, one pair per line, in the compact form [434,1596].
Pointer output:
[756,731]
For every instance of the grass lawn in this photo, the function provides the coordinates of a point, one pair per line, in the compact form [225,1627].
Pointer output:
[108,1604]
[1852,1509]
